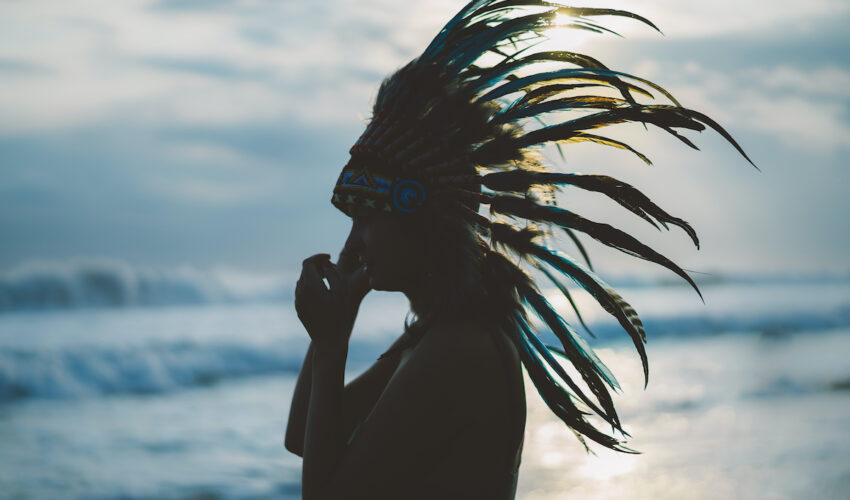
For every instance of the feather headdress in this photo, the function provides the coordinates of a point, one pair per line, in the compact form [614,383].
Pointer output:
[457,132]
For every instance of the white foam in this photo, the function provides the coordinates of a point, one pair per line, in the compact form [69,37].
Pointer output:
[111,283]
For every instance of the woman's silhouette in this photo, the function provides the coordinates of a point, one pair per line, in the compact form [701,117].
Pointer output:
[441,414]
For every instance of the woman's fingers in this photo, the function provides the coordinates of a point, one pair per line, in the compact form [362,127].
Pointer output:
[328,312]
[316,258]
[311,274]
[352,283]
[333,276]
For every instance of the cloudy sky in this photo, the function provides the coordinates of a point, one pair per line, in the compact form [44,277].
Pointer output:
[209,133]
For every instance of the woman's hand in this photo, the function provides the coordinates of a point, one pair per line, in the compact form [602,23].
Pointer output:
[328,313]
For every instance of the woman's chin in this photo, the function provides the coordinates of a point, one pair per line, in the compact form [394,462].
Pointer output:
[374,284]
[377,283]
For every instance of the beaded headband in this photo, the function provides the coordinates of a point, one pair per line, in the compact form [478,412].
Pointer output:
[365,182]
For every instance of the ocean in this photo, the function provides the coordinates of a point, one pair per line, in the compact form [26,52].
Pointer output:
[132,398]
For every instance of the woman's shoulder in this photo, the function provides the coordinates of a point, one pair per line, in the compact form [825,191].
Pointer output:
[467,346]
[463,334]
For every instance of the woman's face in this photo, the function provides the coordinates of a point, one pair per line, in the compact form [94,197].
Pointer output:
[391,249]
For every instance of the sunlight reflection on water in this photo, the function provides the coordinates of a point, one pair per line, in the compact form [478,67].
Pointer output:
[708,426]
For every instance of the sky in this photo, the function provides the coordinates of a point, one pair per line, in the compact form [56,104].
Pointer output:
[209,133]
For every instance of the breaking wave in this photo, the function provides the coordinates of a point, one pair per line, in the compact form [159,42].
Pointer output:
[114,284]
[88,371]
[78,354]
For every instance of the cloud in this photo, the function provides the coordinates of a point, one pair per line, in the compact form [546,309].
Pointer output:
[200,62]
[178,5]
[150,131]
[804,108]
[825,82]
[205,67]
[11,67]
[720,18]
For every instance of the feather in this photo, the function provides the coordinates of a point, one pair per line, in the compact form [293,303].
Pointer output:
[663,116]
[578,244]
[544,92]
[606,141]
[510,65]
[555,397]
[566,292]
[521,242]
[471,49]
[590,11]
[565,104]
[449,28]
[567,75]
[624,194]
[559,370]
[516,206]
[563,354]
[563,10]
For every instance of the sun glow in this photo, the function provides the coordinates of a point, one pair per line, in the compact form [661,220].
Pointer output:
[562,37]
[561,19]
[608,465]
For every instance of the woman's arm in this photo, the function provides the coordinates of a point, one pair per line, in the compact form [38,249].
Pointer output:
[359,396]
[311,313]
[294,440]
[327,313]
[324,438]
[439,392]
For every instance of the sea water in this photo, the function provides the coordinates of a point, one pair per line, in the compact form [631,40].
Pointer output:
[749,397]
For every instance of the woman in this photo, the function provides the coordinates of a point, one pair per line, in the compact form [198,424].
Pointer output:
[442,413]
[446,415]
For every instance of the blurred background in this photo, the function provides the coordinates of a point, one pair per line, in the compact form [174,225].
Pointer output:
[166,165]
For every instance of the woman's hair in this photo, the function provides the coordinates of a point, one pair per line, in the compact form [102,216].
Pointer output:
[454,263]
[460,128]
[465,278]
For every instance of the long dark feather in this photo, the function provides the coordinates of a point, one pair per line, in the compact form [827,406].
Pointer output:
[590,11]
[566,293]
[540,94]
[574,74]
[508,66]
[565,104]
[555,397]
[521,242]
[664,116]
[471,49]
[592,369]
[580,246]
[571,355]
[527,209]
[519,180]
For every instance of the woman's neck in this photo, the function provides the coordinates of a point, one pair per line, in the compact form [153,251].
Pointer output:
[420,293]
[420,303]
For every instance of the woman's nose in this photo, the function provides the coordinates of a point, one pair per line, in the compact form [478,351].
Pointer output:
[349,256]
